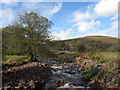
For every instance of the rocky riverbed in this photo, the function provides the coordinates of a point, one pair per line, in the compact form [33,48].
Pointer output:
[46,74]
[64,76]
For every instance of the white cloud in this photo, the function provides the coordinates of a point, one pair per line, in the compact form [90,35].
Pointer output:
[87,23]
[6,16]
[85,26]
[45,9]
[55,9]
[84,21]
[114,17]
[31,6]
[4,1]
[10,2]
[106,8]
[80,16]
[62,34]
[114,25]
[112,31]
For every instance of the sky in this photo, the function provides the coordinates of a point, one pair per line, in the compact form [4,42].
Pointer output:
[70,19]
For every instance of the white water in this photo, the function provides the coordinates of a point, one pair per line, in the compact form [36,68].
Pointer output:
[64,76]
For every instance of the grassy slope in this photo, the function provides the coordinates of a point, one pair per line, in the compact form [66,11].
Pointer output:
[107,39]
[111,42]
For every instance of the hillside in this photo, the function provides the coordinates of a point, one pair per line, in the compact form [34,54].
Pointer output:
[107,39]
[91,42]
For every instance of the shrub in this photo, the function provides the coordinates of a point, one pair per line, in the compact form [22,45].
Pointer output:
[89,73]
[80,47]
[117,81]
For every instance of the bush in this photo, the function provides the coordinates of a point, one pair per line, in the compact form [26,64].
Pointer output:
[80,46]
[117,81]
[90,72]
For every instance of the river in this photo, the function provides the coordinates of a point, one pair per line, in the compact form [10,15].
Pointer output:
[65,76]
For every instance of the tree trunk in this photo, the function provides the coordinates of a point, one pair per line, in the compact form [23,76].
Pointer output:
[32,57]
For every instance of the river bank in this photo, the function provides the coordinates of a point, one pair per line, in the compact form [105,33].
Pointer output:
[29,76]
[82,73]
[44,74]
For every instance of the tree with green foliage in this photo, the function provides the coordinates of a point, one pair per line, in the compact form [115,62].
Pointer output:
[79,46]
[13,39]
[29,34]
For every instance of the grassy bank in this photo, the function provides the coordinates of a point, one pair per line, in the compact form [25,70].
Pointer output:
[14,60]
[102,68]
[101,57]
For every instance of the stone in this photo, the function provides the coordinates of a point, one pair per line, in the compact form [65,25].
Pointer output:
[32,84]
[17,87]
[7,88]
[67,85]
[21,82]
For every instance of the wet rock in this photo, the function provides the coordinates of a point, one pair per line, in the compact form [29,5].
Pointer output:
[74,79]
[58,72]
[21,83]
[32,84]
[57,83]
[57,67]
[7,87]
[17,87]
[67,85]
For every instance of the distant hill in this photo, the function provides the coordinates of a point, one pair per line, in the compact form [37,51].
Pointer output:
[100,38]
[107,39]
[92,43]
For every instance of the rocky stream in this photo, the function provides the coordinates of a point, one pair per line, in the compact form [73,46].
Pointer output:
[45,75]
[65,76]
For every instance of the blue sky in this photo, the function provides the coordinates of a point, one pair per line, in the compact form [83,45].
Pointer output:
[71,19]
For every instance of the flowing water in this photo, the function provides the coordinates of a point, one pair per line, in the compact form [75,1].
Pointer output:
[65,76]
